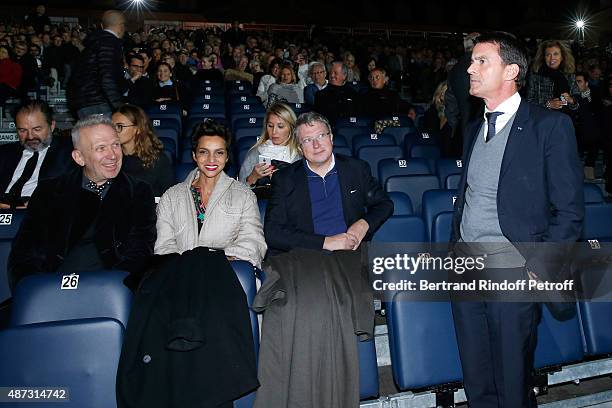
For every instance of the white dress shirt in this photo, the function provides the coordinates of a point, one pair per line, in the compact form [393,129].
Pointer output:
[507,108]
[31,184]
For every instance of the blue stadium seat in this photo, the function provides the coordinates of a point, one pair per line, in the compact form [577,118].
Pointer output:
[593,194]
[350,132]
[424,151]
[442,227]
[404,120]
[374,154]
[446,167]
[298,108]
[251,118]
[597,222]
[262,204]
[166,123]
[244,98]
[207,108]
[371,139]
[343,150]
[10,220]
[210,88]
[215,98]
[595,317]
[162,109]
[401,203]
[401,228]
[256,121]
[354,121]
[245,272]
[368,369]
[422,138]
[99,294]
[245,142]
[414,186]
[452,181]
[400,133]
[81,355]
[194,120]
[559,341]
[234,87]
[181,170]
[169,137]
[340,141]
[240,107]
[401,167]
[422,342]
[435,202]
[247,132]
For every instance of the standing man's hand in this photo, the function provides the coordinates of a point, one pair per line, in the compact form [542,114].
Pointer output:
[358,230]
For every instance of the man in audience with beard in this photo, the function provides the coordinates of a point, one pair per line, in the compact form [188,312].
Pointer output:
[38,154]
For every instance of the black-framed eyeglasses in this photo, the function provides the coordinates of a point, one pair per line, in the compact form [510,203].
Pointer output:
[120,126]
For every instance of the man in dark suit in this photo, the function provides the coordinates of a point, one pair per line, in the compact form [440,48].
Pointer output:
[139,87]
[39,154]
[324,201]
[522,184]
[92,218]
[338,99]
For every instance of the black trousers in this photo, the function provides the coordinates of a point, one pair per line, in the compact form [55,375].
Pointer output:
[496,342]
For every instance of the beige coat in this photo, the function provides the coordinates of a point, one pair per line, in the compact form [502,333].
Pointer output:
[232,221]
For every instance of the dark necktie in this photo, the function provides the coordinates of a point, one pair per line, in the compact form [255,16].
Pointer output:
[30,166]
[491,119]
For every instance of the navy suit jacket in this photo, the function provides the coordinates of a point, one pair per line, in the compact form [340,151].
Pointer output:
[57,161]
[288,223]
[540,189]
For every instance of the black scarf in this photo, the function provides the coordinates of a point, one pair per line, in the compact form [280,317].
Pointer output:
[560,82]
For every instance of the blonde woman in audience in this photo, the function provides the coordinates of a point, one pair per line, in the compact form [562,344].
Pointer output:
[209,208]
[276,142]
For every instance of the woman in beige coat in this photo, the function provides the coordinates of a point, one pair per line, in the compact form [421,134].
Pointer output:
[210,209]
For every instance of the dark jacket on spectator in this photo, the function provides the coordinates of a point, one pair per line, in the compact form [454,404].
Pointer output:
[98,74]
[376,103]
[29,73]
[336,102]
[140,93]
[124,225]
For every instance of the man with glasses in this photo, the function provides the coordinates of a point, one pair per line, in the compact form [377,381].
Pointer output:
[325,201]
[317,74]
[138,85]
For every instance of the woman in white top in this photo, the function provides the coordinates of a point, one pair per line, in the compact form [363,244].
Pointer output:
[277,142]
[269,79]
[286,88]
[210,209]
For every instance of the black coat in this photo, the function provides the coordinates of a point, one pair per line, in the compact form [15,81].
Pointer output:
[57,160]
[60,212]
[140,93]
[335,102]
[189,342]
[98,73]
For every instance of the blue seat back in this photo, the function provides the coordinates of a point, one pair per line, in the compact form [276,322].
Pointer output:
[446,167]
[10,220]
[181,170]
[559,341]
[402,167]
[209,97]
[593,194]
[262,204]
[420,138]
[99,294]
[401,228]
[207,107]
[169,137]
[372,139]
[400,133]
[374,154]
[245,132]
[354,121]
[597,222]
[442,227]
[244,98]
[435,202]
[81,355]
[402,205]
[414,186]
[343,150]
[452,181]
[422,342]
[368,369]
[425,151]
[166,123]
[350,132]
[240,107]
[164,109]
[340,141]
[256,121]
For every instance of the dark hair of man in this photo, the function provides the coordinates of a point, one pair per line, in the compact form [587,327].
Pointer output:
[583,74]
[210,127]
[135,56]
[511,51]
[36,105]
